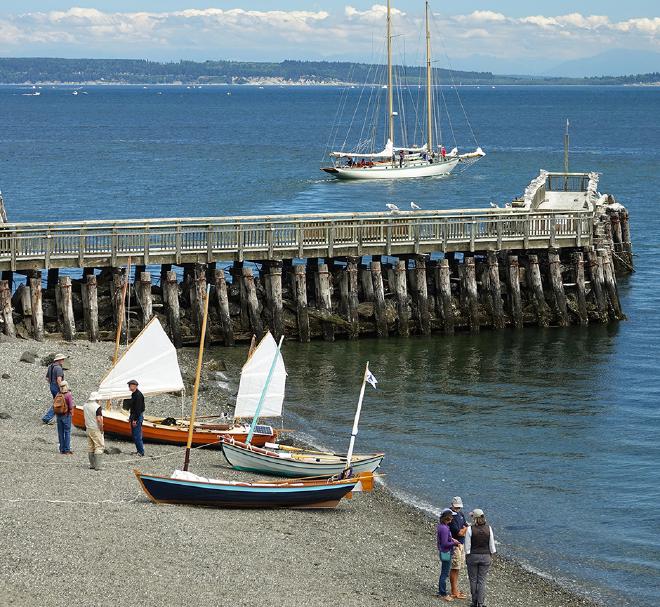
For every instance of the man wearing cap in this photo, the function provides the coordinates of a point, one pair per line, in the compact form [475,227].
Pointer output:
[135,406]
[93,412]
[458,527]
[54,377]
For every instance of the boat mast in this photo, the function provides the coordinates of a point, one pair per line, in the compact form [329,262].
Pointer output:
[429,95]
[356,421]
[390,93]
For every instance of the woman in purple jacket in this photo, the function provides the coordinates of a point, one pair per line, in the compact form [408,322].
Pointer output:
[446,544]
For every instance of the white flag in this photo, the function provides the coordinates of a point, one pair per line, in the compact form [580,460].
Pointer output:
[371,379]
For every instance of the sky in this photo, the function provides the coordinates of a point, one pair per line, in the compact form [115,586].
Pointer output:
[503,36]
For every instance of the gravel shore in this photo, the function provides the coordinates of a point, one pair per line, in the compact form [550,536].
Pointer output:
[72,536]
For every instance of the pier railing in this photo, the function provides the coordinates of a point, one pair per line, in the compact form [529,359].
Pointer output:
[204,240]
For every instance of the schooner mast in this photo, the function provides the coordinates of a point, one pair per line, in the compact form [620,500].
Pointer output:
[429,94]
[390,88]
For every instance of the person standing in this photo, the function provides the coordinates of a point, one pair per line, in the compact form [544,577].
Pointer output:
[479,548]
[54,377]
[443,153]
[458,527]
[64,420]
[135,406]
[93,412]
[446,544]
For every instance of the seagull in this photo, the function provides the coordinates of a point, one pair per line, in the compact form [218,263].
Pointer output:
[413,206]
[493,205]
[392,207]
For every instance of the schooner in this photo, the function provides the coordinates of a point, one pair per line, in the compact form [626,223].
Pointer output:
[400,161]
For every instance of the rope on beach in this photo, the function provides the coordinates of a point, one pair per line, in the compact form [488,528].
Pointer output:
[71,502]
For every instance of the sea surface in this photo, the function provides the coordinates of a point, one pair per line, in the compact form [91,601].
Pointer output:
[554,433]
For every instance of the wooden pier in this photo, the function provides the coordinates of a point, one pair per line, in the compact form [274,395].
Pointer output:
[539,261]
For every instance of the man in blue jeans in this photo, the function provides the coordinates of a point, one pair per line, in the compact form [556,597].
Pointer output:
[54,377]
[135,406]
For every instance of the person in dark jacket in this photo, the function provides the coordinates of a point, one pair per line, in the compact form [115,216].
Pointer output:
[458,528]
[446,544]
[479,548]
[135,406]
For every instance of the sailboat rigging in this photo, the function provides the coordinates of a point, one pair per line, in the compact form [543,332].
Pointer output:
[400,161]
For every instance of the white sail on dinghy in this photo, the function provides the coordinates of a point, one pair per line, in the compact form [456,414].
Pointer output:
[401,161]
[261,393]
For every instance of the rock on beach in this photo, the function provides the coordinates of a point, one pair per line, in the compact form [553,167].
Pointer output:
[120,549]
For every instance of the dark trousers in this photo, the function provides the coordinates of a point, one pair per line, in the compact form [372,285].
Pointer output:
[477,569]
[64,432]
[136,431]
[444,574]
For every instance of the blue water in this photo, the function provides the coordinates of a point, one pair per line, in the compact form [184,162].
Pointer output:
[554,433]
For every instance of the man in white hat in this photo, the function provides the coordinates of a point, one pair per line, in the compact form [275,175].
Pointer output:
[458,528]
[93,412]
[54,377]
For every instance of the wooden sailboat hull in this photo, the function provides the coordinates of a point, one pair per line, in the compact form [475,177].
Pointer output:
[302,494]
[389,171]
[115,424]
[297,464]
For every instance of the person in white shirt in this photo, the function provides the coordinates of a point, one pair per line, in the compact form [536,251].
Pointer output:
[479,548]
[93,412]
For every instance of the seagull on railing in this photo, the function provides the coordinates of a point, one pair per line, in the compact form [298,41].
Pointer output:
[392,207]
[414,207]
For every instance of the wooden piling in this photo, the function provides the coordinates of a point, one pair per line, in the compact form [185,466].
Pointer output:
[36,306]
[610,285]
[273,288]
[422,296]
[302,313]
[350,295]
[597,283]
[171,300]
[68,323]
[557,284]
[443,286]
[515,302]
[117,294]
[236,272]
[198,296]
[222,299]
[536,286]
[578,271]
[472,296]
[6,311]
[366,281]
[401,294]
[325,300]
[380,316]
[144,296]
[252,303]
[495,291]
[89,293]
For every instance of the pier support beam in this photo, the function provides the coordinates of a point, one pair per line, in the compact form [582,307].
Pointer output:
[6,312]
[66,308]
[197,295]
[558,288]
[252,303]
[236,273]
[469,283]
[89,293]
[36,305]
[171,300]
[443,287]
[273,287]
[597,280]
[536,286]
[348,285]
[300,296]
[222,300]
[380,316]
[515,304]
[578,271]
[366,281]
[117,294]
[144,296]
[401,293]
[610,285]
[422,296]
[325,300]
[495,291]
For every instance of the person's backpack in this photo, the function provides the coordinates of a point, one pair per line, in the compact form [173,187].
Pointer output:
[59,405]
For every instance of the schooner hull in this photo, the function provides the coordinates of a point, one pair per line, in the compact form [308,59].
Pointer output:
[115,424]
[298,465]
[389,171]
[301,494]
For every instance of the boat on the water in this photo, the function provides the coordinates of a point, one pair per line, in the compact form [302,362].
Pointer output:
[190,489]
[400,157]
[152,360]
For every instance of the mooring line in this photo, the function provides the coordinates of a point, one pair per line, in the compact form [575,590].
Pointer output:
[73,502]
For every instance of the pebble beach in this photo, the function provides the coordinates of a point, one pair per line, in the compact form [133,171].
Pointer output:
[72,536]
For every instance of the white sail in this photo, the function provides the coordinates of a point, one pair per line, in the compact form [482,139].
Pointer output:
[253,379]
[386,153]
[151,360]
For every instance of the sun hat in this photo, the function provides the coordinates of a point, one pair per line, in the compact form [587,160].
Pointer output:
[477,512]
[133,381]
[457,502]
[59,357]
[64,384]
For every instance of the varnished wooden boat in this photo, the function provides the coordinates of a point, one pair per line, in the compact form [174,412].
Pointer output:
[294,463]
[189,489]
[115,423]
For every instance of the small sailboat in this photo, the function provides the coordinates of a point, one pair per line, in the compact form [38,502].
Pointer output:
[184,487]
[399,161]
[282,460]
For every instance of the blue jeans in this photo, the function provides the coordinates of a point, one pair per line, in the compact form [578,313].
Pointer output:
[137,434]
[64,432]
[444,574]
[50,414]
